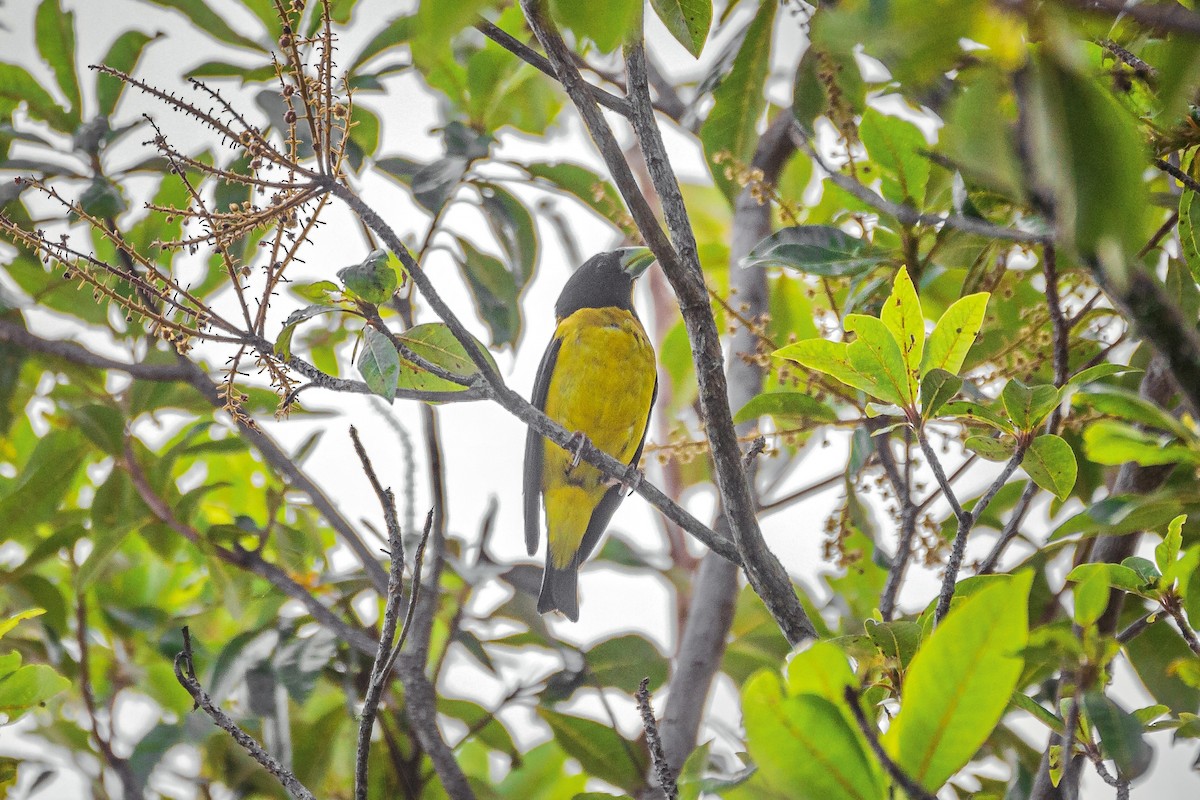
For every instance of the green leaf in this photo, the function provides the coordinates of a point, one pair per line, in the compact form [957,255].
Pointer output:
[320,292]
[29,687]
[974,412]
[897,146]
[434,342]
[1144,568]
[821,670]
[494,290]
[1027,406]
[1130,407]
[830,358]
[789,406]
[600,750]
[1091,598]
[54,31]
[623,662]
[395,33]
[1086,376]
[17,85]
[283,342]
[1166,553]
[513,227]
[954,334]
[937,387]
[1115,576]
[1114,443]
[1084,165]
[876,354]
[1120,735]
[123,55]
[960,682]
[897,640]
[103,425]
[209,21]
[814,250]
[379,364]
[991,448]
[373,279]
[731,130]
[9,623]
[607,24]
[102,199]
[42,482]
[902,316]
[687,20]
[1050,462]
[584,185]
[804,746]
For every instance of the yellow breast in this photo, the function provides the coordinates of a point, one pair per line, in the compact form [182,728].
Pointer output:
[602,385]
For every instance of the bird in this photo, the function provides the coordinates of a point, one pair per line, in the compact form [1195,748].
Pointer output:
[598,379]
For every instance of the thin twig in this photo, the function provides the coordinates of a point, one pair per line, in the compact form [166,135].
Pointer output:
[911,788]
[391,614]
[662,770]
[185,673]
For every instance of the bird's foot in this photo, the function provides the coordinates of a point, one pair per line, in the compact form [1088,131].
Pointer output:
[630,481]
[575,447]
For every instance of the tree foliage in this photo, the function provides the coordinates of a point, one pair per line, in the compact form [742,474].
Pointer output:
[963,254]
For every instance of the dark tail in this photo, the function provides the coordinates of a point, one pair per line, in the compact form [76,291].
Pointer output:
[559,590]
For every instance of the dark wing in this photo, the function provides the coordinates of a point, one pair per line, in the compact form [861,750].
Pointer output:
[607,506]
[535,449]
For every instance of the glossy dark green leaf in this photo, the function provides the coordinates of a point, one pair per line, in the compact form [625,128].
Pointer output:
[379,363]
[730,133]
[594,191]
[103,425]
[687,20]
[17,85]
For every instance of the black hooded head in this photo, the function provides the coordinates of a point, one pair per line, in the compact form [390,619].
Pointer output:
[604,281]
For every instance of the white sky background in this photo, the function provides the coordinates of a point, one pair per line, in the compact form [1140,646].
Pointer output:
[484,444]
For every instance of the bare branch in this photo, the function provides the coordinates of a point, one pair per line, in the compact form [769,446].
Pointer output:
[391,615]
[185,673]
[662,770]
[911,788]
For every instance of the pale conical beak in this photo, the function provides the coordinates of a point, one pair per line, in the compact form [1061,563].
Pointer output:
[635,260]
